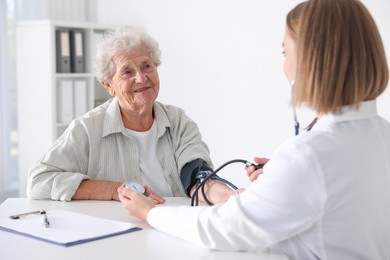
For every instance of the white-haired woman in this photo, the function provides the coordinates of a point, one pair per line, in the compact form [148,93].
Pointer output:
[131,137]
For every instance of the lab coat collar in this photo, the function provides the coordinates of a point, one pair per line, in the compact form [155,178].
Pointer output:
[366,109]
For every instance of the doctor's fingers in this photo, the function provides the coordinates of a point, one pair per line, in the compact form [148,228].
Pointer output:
[125,194]
[251,170]
[254,175]
[123,199]
[238,191]
[260,160]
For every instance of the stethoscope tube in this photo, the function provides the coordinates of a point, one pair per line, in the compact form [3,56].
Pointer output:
[296,122]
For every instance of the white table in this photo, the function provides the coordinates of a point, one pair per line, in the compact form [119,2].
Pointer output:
[145,244]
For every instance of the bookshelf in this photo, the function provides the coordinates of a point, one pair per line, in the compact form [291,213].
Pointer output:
[50,98]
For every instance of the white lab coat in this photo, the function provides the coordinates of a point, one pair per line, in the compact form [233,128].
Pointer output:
[323,195]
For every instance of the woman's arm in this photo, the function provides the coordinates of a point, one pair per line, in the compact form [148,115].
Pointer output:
[58,174]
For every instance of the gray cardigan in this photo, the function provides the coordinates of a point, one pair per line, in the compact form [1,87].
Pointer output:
[95,146]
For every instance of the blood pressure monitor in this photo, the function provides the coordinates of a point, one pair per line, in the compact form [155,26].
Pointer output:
[135,187]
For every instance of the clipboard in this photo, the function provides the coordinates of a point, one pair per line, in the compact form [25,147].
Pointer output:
[67,228]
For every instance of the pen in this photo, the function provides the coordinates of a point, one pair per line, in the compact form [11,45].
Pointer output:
[41,212]
[17,216]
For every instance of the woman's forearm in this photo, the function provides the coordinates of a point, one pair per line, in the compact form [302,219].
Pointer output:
[97,190]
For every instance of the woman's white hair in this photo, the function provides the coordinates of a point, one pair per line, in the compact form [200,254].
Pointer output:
[119,41]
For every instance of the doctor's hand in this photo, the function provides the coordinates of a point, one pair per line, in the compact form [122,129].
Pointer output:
[251,172]
[137,204]
[216,191]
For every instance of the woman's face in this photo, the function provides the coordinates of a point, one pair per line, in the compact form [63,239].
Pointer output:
[290,58]
[135,83]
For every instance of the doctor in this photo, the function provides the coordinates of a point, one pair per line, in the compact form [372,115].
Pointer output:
[325,194]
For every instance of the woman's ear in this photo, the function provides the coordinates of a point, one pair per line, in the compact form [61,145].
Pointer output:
[108,87]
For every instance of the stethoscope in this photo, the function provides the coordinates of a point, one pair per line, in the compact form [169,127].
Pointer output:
[296,122]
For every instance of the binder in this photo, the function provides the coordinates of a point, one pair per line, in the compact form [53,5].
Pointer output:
[62,51]
[80,97]
[77,57]
[65,101]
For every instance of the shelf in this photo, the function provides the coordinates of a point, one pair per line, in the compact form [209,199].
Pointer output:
[47,106]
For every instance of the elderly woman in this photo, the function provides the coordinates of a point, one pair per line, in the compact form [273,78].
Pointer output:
[131,137]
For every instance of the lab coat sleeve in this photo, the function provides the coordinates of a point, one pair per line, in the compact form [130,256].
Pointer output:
[287,200]
[202,226]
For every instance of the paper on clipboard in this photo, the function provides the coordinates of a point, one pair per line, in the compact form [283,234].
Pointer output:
[66,228]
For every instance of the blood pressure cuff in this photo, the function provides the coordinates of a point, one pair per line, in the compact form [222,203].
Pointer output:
[190,171]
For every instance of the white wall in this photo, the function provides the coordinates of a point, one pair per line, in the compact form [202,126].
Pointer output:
[222,63]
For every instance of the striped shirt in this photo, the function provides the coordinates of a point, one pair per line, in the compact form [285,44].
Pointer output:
[95,146]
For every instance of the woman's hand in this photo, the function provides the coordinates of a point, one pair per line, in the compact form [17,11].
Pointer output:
[137,204]
[252,173]
[157,199]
